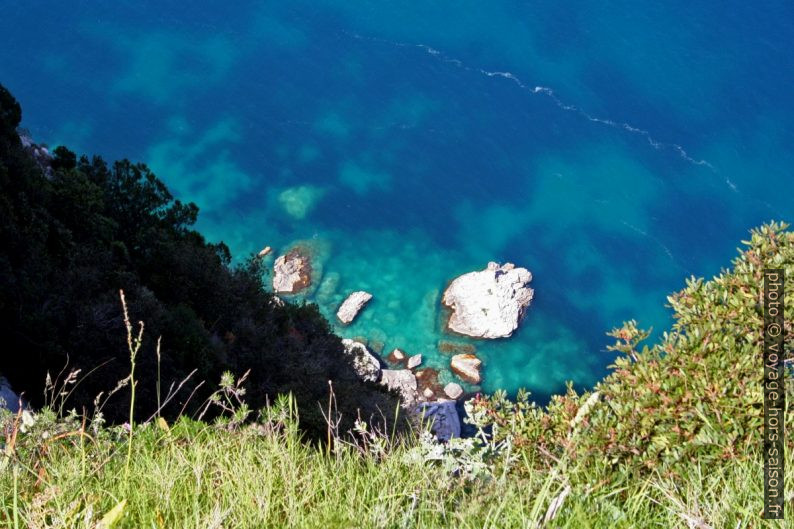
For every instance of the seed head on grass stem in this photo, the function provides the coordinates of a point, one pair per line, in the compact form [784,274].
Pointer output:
[133,345]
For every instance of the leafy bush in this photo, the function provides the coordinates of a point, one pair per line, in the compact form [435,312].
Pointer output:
[694,397]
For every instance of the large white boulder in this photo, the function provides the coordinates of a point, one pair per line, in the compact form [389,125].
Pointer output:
[366,365]
[489,303]
[292,272]
[467,367]
[352,305]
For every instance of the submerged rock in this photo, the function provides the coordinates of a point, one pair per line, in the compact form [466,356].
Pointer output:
[402,380]
[453,390]
[467,367]
[366,365]
[443,419]
[456,348]
[489,303]
[376,346]
[327,289]
[299,201]
[292,272]
[414,361]
[352,306]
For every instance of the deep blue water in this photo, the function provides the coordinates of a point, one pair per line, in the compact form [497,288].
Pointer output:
[613,148]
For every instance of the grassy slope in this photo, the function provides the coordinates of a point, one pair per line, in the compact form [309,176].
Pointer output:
[199,476]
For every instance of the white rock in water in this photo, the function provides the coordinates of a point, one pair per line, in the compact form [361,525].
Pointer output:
[467,367]
[397,356]
[352,305]
[489,303]
[292,272]
[402,380]
[414,361]
[366,365]
[453,390]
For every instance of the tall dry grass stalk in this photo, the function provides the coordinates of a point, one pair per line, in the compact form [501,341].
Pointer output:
[133,345]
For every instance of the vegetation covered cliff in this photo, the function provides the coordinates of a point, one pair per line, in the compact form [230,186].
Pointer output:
[74,231]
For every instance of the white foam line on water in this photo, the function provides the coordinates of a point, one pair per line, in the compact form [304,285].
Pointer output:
[549,92]
[658,243]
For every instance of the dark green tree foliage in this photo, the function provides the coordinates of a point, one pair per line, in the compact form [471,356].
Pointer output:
[75,231]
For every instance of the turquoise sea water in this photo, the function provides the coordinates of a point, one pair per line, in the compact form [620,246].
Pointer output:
[613,148]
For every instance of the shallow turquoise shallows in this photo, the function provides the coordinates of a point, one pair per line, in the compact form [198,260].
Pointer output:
[613,148]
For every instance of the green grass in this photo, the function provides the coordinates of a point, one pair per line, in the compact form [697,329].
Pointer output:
[198,475]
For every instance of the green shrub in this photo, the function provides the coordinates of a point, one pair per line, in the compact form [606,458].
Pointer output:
[693,397]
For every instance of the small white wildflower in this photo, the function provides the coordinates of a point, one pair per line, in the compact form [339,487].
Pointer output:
[28,420]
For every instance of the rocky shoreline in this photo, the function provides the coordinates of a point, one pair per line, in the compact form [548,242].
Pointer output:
[483,304]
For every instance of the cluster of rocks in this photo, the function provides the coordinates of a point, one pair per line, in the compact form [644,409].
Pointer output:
[488,303]
[484,304]
[412,384]
[292,274]
[419,390]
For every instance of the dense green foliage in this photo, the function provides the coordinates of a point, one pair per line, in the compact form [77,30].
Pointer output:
[694,397]
[74,231]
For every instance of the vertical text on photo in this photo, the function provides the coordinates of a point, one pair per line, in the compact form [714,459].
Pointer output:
[774,394]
